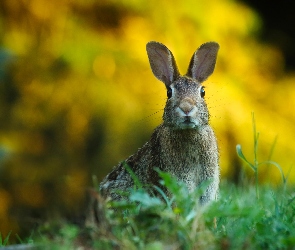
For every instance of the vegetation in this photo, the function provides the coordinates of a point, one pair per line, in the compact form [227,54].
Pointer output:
[238,220]
[242,221]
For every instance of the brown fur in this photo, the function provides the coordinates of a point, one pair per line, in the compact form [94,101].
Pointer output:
[184,144]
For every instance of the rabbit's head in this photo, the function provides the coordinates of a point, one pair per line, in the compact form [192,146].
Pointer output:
[185,107]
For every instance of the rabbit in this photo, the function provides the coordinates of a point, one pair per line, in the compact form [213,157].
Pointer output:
[184,145]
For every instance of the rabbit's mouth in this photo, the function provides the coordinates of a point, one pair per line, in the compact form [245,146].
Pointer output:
[188,123]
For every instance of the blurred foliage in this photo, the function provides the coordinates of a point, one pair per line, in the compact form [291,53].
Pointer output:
[77,94]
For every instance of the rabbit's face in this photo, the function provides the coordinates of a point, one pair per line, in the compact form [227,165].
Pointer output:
[185,107]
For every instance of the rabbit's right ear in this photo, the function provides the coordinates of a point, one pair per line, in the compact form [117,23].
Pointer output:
[203,61]
[162,62]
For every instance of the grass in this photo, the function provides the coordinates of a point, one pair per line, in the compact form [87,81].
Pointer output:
[244,217]
[238,220]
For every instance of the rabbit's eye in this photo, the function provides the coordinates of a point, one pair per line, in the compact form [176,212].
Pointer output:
[202,92]
[169,92]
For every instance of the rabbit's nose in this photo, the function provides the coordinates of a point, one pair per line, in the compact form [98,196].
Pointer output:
[186,105]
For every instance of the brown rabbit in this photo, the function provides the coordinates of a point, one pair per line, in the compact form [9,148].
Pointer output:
[184,145]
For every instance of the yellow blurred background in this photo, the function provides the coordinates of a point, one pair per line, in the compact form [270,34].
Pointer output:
[77,94]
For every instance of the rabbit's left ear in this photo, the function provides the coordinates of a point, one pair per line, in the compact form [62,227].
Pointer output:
[203,61]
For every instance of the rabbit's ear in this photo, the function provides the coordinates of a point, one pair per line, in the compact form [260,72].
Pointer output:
[203,62]
[162,62]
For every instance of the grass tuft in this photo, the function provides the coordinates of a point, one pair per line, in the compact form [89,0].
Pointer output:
[4,242]
[256,164]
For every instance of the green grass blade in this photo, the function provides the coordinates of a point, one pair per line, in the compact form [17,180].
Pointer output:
[277,166]
[137,182]
[161,192]
[272,148]
[19,239]
[5,242]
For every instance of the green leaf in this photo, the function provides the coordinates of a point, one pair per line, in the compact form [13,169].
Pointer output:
[173,185]
[241,155]
[192,214]
[145,199]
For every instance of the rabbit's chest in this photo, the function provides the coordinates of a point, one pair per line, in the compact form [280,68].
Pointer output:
[184,164]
